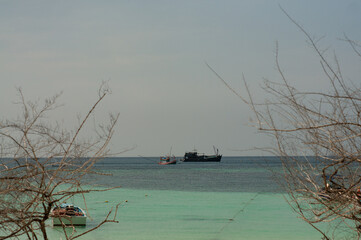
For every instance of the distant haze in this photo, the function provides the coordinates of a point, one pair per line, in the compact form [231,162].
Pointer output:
[153,53]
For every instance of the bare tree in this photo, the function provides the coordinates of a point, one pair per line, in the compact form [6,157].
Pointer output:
[42,166]
[318,138]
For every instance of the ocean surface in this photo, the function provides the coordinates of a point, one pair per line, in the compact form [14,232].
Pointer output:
[236,198]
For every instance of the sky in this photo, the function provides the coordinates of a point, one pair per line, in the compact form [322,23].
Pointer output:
[152,53]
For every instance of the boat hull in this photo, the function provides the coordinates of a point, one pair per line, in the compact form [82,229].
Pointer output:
[69,221]
[202,158]
[166,163]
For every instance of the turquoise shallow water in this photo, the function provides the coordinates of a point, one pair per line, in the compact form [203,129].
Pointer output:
[234,199]
[163,214]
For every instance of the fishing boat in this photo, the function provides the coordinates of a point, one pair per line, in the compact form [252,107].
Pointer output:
[167,160]
[194,156]
[68,215]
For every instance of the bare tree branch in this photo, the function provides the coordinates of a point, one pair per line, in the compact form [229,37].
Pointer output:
[42,166]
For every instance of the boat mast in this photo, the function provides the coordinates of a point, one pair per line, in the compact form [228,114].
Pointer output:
[170,151]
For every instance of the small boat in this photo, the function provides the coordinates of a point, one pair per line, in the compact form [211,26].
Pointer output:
[195,157]
[69,215]
[167,160]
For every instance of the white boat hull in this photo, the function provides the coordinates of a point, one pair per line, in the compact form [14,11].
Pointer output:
[69,220]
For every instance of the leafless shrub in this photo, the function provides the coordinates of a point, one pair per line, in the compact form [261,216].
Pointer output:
[318,138]
[42,166]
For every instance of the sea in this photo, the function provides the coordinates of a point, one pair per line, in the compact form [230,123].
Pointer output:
[237,198]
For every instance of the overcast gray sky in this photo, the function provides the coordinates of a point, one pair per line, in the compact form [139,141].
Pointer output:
[153,53]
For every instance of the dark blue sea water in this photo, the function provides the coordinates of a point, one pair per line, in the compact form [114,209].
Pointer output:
[232,174]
